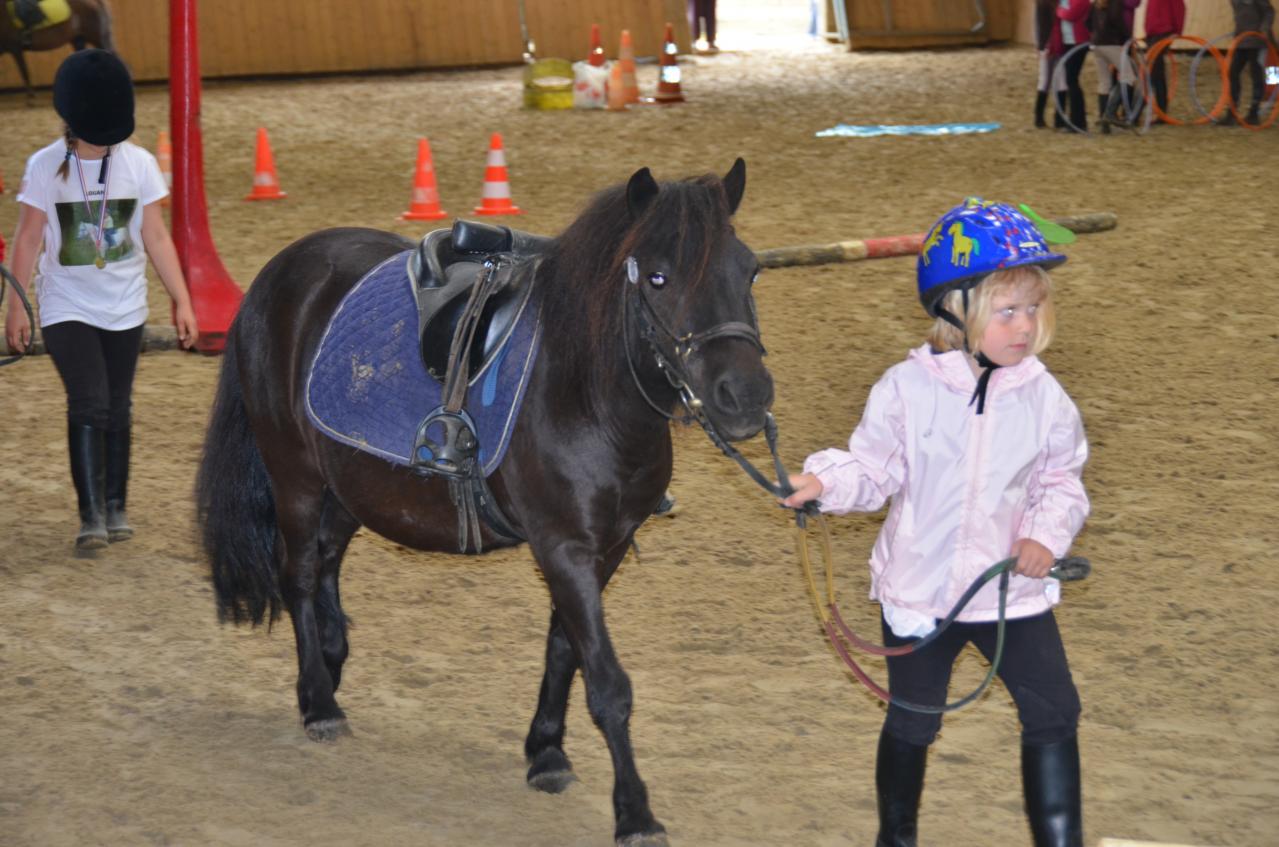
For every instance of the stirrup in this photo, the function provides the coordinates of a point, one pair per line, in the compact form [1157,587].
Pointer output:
[451,450]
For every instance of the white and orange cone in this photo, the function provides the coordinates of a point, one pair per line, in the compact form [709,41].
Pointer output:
[668,90]
[425,205]
[626,58]
[266,186]
[496,199]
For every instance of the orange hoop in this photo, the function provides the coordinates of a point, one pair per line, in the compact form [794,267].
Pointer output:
[1222,102]
[1273,55]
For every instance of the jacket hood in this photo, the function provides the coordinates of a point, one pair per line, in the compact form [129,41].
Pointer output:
[952,368]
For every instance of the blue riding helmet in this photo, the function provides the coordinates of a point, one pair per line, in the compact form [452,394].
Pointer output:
[972,240]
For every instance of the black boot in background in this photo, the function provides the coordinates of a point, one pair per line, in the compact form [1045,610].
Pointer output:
[899,782]
[1058,121]
[1103,100]
[88,466]
[1050,778]
[117,484]
[1041,100]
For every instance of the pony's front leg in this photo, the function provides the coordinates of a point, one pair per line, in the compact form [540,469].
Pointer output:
[549,769]
[576,579]
[300,581]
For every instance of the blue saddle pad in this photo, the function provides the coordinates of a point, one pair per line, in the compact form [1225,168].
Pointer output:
[367,386]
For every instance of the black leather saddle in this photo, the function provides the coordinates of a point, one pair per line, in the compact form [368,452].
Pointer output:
[444,269]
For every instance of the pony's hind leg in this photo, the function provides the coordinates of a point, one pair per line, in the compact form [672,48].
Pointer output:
[312,549]
[549,769]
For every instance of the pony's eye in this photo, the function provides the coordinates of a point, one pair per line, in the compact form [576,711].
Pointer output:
[657,279]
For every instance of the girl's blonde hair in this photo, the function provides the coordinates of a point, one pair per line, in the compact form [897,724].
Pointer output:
[945,337]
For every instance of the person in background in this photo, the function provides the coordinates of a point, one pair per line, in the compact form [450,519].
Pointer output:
[1164,19]
[92,200]
[1250,53]
[1070,29]
[701,13]
[1045,20]
[1111,24]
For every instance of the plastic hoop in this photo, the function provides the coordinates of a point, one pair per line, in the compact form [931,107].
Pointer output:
[1234,107]
[1142,125]
[1060,68]
[1154,53]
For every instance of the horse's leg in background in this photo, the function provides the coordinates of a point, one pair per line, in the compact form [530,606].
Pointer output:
[576,575]
[549,769]
[300,516]
[100,33]
[26,74]
[337,526]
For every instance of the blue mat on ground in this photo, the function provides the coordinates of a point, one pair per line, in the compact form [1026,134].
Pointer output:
[367,386]
[853,131]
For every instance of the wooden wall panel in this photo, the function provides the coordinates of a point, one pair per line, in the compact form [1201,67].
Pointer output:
[914,23]
[268,37]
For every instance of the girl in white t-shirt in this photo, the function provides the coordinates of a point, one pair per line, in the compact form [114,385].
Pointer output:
[981,452]
[91,200]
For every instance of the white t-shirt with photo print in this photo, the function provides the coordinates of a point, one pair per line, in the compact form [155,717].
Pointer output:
[69,285]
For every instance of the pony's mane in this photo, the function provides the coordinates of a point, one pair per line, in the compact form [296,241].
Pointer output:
[583,276]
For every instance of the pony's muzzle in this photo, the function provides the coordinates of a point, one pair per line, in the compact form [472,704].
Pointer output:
[739,404]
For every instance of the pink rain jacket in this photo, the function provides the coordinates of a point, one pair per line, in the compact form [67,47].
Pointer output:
[963,486]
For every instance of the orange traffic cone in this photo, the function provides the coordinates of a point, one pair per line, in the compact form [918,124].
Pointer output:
[164,156]
[616,89]
[496,199]
[668,90]
[265,184]
[596,56]
[425,205]
[626,58]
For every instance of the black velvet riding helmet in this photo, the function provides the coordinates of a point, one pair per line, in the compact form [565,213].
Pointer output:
[93,94]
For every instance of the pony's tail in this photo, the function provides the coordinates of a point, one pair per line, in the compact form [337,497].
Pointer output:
[235,508]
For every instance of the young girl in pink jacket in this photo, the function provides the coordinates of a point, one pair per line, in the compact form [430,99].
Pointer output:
[980,452]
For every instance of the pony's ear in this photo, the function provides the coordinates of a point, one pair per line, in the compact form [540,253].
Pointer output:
[640,191]
[735,184]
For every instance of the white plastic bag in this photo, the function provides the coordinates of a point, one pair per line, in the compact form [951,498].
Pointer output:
[589,82]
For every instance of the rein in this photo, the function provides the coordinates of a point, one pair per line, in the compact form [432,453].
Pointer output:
[837,631]
[5,276]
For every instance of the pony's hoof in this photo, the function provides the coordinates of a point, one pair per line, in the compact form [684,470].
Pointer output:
[552,782]
[551,771]
[644,839]
[330,729]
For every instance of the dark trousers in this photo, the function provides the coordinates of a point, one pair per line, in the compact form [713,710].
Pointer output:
[1251,58]
[1158,74]
[704,9]
[97,368]
[1033,669]
[1075,93]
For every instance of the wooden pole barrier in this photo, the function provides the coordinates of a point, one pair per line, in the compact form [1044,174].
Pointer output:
[154,337]
[898,245]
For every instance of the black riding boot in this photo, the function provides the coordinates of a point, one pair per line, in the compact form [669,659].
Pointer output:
[1041,100]
[1058,121]
[117,484]
[1050,779]
[1103,100]
[87,472]
[899,780]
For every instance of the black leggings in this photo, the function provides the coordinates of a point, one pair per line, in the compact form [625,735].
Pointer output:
[1251,58]
[97,367]
[1033,668]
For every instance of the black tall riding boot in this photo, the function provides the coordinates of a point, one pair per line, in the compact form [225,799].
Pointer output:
[88,465]
[117,484]
[899,781]
[1041,100]
[1050,779]
[1103,100]
[1058,121]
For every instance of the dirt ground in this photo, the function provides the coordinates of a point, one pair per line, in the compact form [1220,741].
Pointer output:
[133,717]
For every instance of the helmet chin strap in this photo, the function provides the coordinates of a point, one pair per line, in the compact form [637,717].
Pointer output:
[988,367]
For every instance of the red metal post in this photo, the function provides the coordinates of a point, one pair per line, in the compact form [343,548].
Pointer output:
[214,295]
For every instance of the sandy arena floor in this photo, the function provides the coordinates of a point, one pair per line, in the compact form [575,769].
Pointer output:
[134,718]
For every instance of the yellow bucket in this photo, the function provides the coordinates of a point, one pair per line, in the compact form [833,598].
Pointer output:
[548,84]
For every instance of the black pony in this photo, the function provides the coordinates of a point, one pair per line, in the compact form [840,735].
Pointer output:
[646,301]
